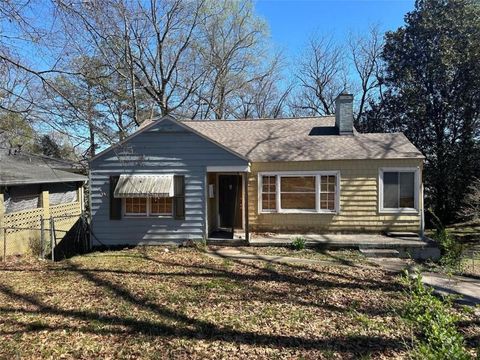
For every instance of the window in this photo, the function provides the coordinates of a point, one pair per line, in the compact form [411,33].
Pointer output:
[328,185]
[160,206]
[22,197]
[399,190]
[135,206]
[296,192]
[269,193]
[63,193]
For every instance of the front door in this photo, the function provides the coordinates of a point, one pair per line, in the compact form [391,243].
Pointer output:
[228,199]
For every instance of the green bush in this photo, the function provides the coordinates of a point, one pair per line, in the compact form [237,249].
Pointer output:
[450,248]
[299,243]
[435,322]
[200,244]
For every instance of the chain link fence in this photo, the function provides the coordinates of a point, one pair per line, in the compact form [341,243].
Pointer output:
[32,233]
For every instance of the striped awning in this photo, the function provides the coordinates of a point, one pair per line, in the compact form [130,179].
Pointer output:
[144,186]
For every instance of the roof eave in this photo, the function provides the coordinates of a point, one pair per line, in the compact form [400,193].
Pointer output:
[33,182]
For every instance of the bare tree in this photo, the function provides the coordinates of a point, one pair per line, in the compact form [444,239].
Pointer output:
[365,52]
[153,40]
[321,76]
[264,97]
[471,207]
[235,57]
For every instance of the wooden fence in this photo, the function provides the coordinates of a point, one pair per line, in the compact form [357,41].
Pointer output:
[21,232]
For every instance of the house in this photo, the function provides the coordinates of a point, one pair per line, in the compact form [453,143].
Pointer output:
[33,190]
[176,180]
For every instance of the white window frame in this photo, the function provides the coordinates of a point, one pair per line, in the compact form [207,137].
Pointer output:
[148,214]
[416,192]
[279,174]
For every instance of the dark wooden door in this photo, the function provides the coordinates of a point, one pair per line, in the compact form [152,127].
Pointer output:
[228,192]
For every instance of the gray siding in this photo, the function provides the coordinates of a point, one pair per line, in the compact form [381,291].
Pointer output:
[165,148]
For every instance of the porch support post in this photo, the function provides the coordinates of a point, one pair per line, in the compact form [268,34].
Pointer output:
[245,191]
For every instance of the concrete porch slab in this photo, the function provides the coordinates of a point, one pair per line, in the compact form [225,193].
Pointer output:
[340,240]
[407,246]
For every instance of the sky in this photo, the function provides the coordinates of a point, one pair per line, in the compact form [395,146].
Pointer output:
[291,22]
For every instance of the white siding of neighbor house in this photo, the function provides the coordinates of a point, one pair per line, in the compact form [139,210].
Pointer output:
[164,148]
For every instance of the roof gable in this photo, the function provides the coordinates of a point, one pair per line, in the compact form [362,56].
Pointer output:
[166,124]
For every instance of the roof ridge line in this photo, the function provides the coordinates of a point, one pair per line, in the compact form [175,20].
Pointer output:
[257,119]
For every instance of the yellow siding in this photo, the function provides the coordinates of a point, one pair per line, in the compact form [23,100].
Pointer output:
[19,229]
[358,199]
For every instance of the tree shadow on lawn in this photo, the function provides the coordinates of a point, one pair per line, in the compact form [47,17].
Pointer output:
[184,326]
[270,274]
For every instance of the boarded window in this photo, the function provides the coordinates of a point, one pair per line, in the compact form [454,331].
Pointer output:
[398,190]
[297,192]
[20,198]
[63,193]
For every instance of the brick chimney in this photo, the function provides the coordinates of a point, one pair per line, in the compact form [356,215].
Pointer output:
[344,113]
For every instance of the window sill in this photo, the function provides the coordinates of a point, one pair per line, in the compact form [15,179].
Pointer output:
[291,212]
[125,216]
[399,211]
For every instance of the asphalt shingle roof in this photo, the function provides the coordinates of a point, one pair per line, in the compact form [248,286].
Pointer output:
[292,140]
[24,169]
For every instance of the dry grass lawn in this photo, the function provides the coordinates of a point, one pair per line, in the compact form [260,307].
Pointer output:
[148,303]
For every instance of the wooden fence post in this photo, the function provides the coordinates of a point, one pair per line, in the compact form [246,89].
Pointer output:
[52,239]
[42,237]
[46,204]
[4,245]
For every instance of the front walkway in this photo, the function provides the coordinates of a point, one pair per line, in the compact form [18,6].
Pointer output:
[468,288]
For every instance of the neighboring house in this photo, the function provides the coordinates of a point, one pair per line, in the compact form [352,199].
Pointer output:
[176,180]
[33,188]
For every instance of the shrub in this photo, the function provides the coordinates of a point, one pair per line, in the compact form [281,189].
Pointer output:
[435,322]
[35,246]
[451,250]
[299,243]
[200,244]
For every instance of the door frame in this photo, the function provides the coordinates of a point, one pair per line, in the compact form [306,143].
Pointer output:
[217,196]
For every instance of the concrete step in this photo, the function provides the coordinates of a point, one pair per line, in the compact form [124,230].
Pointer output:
[398,234]
[226,242]
[380,253]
